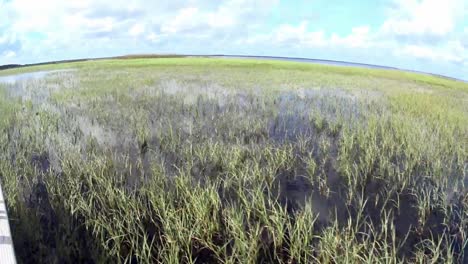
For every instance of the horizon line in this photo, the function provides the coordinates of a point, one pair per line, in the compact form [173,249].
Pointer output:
[272,57]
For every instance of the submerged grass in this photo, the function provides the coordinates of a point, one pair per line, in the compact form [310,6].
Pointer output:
[235,161]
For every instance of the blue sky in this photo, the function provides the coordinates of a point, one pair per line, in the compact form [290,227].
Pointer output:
[424,35]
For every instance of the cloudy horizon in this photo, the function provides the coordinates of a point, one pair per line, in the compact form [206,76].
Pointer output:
[421,35]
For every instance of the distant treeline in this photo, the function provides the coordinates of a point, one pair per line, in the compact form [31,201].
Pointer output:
[9,66]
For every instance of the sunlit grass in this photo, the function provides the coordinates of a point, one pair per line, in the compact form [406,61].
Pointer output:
[235,161]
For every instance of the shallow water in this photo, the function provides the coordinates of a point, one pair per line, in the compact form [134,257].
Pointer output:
[13,79]
[186,119]
[32,85]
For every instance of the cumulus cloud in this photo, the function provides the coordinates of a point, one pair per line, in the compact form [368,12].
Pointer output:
[136,30]
[182,21]
[74,26]
[420,30]
[360,37]
[297,35]
[423,18]
[427,30]
[451,53]
[300,36]
[9,54]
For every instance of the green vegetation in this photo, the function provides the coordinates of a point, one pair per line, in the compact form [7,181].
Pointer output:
[183,160]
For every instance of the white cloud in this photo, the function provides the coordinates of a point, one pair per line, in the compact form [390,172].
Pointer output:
[34,15]
[424,18]
[190,19]
[451,52]
[419,22]
[299,35]
[81,23]
[41,29]
[185,20]
[153,37]
[221,19]
[286,32]
[359,38]
[9,54]
[426,30]
[136,30]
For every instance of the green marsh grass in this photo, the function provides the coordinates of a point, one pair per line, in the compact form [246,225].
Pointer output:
[196,160]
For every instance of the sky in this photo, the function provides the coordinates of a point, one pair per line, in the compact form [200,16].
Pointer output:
[422,35]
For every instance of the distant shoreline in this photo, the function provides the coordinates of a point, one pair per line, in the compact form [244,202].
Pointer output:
[296,59]
[332,62]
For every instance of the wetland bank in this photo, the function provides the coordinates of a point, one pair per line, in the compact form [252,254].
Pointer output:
[209,160]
